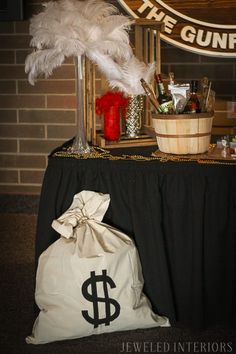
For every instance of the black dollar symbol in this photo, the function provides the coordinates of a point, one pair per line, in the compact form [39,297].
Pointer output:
[94,298]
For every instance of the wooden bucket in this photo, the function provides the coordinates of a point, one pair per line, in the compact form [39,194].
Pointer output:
[183,133]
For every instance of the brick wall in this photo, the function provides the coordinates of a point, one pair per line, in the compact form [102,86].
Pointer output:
[36,119]
[33,119]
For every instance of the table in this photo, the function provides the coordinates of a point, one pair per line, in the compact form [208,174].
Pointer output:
[182,216]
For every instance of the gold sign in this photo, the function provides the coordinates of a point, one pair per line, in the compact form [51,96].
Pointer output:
[205,26]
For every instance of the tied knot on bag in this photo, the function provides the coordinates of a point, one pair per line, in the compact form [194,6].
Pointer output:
[68,221]
[83,220]
[86,206]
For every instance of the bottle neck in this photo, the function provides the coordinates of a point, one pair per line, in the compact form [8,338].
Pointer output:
[194,87]
[161,88]
[160,85]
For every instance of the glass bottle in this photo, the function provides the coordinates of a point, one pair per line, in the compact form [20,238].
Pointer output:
[171,78]
[166,105]
[193,103]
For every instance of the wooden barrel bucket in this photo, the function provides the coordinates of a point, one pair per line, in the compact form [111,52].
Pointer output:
[183,133]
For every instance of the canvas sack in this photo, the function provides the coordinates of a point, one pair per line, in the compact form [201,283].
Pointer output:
[90,280]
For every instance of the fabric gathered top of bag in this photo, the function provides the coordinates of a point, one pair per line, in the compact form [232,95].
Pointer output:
[86,212]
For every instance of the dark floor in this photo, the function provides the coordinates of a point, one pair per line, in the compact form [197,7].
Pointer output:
[17,309]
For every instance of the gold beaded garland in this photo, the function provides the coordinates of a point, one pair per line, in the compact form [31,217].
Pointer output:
[99,153]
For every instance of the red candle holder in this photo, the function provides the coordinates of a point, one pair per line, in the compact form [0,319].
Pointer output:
[111,105]
[112,124]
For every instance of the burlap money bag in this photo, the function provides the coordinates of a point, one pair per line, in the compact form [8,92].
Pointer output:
[90,280]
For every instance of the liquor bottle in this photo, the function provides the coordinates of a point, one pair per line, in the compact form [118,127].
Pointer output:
[193,103]
[171,83]
[166,105]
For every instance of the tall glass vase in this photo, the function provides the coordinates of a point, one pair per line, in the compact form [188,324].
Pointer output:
[80,144]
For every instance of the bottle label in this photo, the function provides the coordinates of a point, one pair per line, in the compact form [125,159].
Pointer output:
[193,107]
[161,88]
[166,107]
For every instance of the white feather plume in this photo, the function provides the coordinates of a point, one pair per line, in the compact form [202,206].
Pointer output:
[42,62]
[92,27]
[105,64]
[131,73]
[72,28]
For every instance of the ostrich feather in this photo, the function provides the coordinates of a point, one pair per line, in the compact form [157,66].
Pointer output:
[114,26]
[94,10]
[123,53]
[149,72]
[73,28]
[106,64]
[131,73]
[42,61]
[92,27]
[121,86]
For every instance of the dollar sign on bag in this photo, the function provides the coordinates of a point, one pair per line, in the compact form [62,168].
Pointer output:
[95,299]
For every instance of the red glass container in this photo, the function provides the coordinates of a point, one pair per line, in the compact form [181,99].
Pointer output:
[112,124]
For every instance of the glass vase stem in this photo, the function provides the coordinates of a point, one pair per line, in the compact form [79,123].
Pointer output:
[80,144]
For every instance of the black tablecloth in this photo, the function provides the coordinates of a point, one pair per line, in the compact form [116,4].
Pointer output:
[182,216]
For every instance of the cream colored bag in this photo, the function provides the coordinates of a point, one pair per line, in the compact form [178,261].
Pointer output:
[90,280]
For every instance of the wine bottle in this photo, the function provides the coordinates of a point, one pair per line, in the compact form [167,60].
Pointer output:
[166,105]
[193,104]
